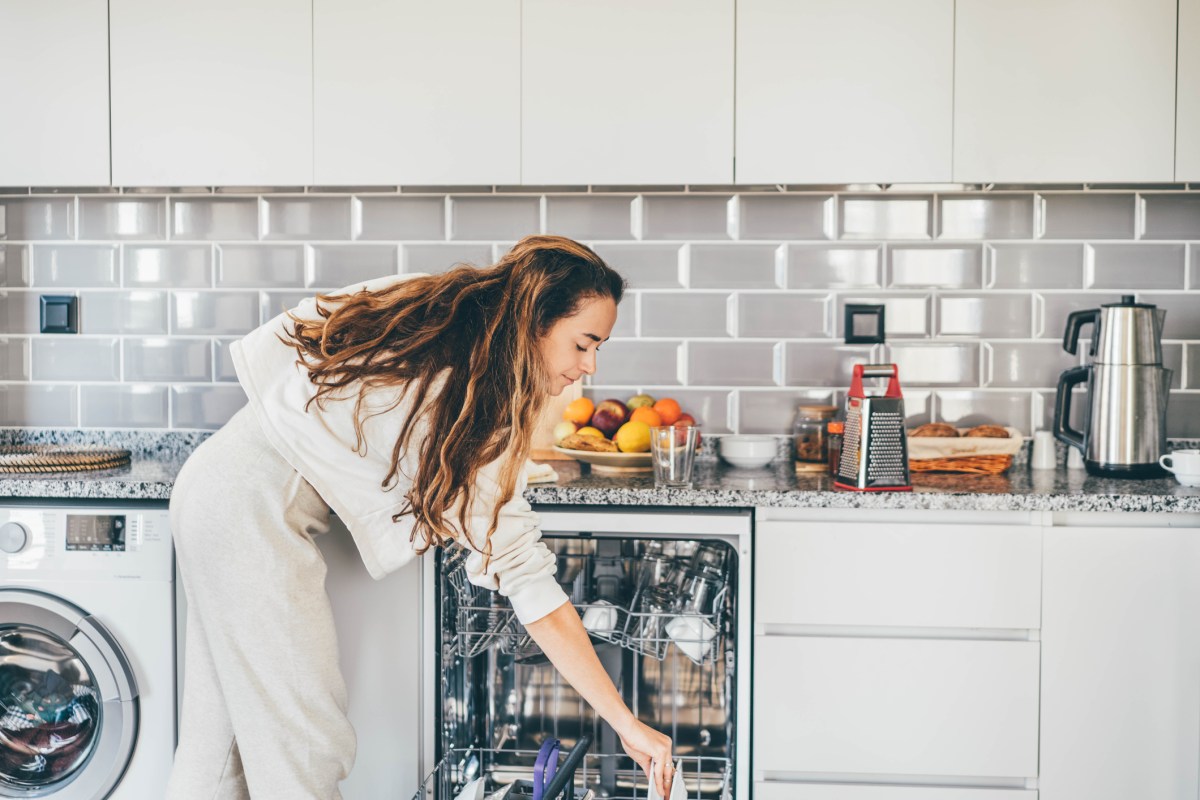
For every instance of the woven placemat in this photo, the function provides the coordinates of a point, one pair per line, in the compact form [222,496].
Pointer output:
[25,458]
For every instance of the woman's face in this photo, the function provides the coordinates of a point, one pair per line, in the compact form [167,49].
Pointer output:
[569,348]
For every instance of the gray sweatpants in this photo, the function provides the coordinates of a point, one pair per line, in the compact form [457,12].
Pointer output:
[264,701]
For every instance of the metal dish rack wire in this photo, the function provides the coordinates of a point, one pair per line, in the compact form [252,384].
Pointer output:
[483,619]
[613,777]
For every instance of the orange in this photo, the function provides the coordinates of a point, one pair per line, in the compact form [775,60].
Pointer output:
[633,437]
[579,411]
[668,410]
[590,431]
[647,415]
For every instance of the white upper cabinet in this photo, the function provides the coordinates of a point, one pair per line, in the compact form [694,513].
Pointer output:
[1187,135]
[627,92]
[55,129]
[844,92]
[212,93]
[417,92]
[1064,91]
[1120,664]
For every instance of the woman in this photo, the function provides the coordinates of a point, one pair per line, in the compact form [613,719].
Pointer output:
[406,404]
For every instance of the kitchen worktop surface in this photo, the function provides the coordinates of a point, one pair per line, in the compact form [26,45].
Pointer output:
[156,462]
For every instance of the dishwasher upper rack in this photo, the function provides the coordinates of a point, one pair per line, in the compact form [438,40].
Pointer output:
[704,777]
[484,619]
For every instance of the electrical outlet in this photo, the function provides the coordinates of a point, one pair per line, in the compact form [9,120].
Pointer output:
[59,313]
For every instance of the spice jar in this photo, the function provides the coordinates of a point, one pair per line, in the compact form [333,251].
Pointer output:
[808,434]
[834,432]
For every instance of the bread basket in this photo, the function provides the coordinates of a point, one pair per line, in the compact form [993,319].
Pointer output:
[966,454]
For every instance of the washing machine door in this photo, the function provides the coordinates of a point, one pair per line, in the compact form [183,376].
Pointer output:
[68,701]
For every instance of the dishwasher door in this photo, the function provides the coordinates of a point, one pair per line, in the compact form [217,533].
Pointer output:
[665,597]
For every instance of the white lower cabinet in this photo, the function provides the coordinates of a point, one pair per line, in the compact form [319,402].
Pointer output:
[896,706]
[1121,664]
[830,791]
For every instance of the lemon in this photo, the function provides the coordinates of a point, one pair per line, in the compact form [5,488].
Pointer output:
[633,437]
[590,431]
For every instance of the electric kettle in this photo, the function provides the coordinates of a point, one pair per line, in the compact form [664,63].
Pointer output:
[1125,426]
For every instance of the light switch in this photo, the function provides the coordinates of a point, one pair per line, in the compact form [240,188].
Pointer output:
[59,313]
[863,324]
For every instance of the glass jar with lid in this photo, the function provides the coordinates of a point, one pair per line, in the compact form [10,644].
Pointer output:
[808,436]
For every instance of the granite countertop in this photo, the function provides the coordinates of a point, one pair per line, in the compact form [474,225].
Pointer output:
[157,458]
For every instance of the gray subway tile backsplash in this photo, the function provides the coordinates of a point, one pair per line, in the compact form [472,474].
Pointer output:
[399,218]
[128,217]
[684,314]
[734,305]
[1135,266]
[588,217]
[79,358]
[1089,216]
[995,216]
[214,218]
[14,265]
[779,216]
[946,267]
[28,219]
[123,405]
[75,265]
[168,266]
[735,266]
[1172,216]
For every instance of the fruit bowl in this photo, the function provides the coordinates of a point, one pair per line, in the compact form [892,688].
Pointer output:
[612,463]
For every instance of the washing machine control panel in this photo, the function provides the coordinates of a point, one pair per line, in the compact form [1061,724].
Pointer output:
[86,542]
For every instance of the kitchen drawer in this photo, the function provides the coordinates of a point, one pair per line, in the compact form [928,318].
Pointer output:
[912,575]
[775,790]
[895,706]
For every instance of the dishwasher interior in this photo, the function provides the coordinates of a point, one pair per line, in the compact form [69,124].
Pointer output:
[662,611]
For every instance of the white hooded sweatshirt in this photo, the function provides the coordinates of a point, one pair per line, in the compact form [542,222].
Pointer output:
[320,445]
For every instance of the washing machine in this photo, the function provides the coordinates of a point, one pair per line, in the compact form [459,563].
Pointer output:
[88,704]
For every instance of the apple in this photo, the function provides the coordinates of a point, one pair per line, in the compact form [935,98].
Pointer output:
[609,416]
[685,420]
[564,429]
[640,401]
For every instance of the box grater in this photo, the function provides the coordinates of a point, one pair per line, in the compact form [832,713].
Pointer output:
[875,445]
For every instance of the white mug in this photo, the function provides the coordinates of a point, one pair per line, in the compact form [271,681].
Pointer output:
[1044,454]
[1185,464]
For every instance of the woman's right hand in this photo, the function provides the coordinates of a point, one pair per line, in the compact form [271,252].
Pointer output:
[652,752]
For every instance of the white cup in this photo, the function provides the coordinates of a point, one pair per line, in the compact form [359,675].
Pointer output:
[1044,456]
[692,635]
[1184,464]
[600,618]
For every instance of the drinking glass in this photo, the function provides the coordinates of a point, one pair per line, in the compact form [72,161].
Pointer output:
[673,451]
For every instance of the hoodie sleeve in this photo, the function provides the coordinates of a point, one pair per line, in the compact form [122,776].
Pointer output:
[521,567]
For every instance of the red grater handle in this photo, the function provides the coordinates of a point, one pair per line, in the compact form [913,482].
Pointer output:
[889,371]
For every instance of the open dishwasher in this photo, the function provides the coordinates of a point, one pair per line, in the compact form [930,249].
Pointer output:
[665,596]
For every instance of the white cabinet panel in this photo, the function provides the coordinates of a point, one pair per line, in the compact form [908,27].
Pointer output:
[862,573]
[55,128]
[417,93]
[1120,664]
[844,92]
[627,92]
[214,93]
[778,790]
[1064,90]
[896,706]
[1187,132]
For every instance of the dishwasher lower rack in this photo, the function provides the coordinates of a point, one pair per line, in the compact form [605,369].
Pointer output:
[608,777]
[482,619]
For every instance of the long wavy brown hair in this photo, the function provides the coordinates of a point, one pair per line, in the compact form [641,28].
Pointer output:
[481,328]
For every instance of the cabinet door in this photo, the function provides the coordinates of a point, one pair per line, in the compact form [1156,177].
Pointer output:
[895,706]
[909,575]
[1120,664]
[1064,90]
[213,93]
[417,93]
[627,92]
[778,790]
[55,130]
[843,92]
[1187,134]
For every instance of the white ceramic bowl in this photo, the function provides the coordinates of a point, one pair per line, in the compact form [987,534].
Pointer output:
[748,451]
